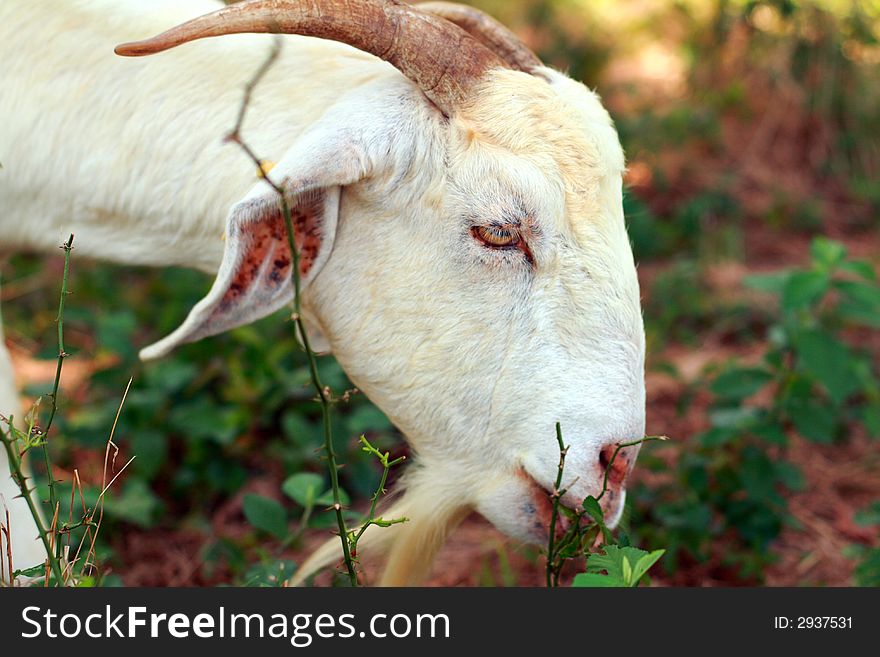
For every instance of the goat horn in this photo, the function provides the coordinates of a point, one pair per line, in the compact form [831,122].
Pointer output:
[487,31]
[441,58]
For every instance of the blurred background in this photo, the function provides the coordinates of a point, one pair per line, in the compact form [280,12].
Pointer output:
[752,133]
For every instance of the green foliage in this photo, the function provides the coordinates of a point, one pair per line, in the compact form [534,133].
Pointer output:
[682,307]
[266,514]
[617,567]
[201,422]
[732,480]
[269,574]
[304,488]
[621,564]
[867,570]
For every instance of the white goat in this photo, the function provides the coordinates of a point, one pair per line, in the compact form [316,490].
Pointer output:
[458,206]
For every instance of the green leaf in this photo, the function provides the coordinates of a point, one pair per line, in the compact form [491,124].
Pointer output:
[735,418]
[591,506]
[367,417]
[270,574]
[627,571]
[828,361]
[826,253]
[790,475]
[803,288]
[860,302]
[200,419]
[326,498]
[739,383]
[868,516]
[865,294]
[300,430]
[867,573]
[617,563]
[758,474]
[644,564]
[814,420]
[717,436]
[771,433]
[265,514]
[170,375]
[595,580]
[303,488]
[33,571]
[772,283]
[857,314]
[860,268]
[135,502]
[151,449]
[871,419]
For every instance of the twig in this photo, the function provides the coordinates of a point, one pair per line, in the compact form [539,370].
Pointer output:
[557,550]
[57,550]
[53,496]
[371,520]
[99,503]
[47,536]
[324,396]
[556,496]
[7,531]
[21,481]
[619,447]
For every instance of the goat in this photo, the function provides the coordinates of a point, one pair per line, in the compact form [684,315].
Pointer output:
[458,207]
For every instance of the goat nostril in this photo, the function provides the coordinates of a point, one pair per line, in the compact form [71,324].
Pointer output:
[619,466]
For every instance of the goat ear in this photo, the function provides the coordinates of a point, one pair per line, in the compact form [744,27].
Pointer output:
[254,279]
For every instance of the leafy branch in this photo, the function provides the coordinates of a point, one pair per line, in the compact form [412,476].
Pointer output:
[387,464]
[580,534]
[17,443]
[10,438]
[35,436]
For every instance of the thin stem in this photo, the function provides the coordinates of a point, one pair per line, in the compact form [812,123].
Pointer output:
[554,515]
[619,447]
[323,393]
[21,482]
[374,500]
[323,396]
[576,532]
[5,530]
[62,354]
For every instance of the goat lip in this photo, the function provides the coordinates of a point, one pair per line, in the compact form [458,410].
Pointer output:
[542,502]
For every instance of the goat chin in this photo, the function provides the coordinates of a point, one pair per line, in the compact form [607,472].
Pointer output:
[410,547]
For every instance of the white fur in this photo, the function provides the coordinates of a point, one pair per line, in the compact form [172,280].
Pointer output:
[473,353]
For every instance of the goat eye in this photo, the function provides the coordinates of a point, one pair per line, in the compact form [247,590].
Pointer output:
[496,237]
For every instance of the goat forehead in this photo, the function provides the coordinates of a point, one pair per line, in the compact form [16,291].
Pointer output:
[560,132]
[560,120]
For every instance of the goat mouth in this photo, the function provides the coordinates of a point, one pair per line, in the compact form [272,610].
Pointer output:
[539,506]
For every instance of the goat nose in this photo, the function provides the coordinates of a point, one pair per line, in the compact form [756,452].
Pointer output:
[616,467]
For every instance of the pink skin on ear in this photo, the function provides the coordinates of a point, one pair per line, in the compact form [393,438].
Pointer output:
[266,261]
[254,279]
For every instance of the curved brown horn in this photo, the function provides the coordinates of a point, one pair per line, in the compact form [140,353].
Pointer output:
[441,58]
[487,31]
